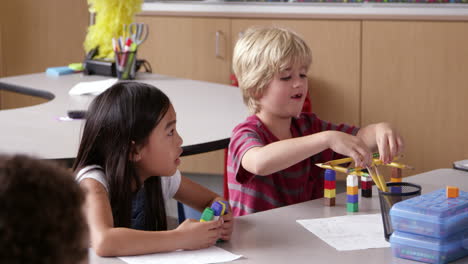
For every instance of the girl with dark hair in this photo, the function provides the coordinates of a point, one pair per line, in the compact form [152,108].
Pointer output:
[129,145]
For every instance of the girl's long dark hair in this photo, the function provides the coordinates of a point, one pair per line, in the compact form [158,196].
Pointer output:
[126,112]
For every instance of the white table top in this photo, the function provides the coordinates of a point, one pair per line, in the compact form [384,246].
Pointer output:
[274,236]
[206,114]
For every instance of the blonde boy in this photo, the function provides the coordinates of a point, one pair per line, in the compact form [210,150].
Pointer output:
[272,153]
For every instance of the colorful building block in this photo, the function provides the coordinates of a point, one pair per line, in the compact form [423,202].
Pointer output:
[352,180]
[452,192]
[330,184]
[329,193]
[352,198]
[352,207]
[207,215]
[352,190]
[330,175]
[396,177]
[329,201]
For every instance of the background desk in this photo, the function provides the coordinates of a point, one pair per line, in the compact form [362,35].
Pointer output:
[274,236]
[206,114]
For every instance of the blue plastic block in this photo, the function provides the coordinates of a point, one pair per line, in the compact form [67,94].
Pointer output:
[330,175]
[352,198]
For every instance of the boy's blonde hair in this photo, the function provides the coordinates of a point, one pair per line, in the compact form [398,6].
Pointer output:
[262,52]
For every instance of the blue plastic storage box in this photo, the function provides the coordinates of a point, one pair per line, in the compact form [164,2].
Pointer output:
[429,249]
[431,214]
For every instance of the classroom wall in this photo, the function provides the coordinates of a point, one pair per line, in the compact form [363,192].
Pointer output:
[35,35]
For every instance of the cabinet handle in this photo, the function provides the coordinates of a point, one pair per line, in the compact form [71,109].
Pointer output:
[218,35]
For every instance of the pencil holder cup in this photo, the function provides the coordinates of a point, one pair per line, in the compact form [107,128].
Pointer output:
[125,64]
[397,192]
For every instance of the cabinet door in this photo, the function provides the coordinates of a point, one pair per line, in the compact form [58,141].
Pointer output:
[41,34]
[334,76]
[415,76]
[192,48]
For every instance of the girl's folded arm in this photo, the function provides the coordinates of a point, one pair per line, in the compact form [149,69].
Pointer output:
[107,240]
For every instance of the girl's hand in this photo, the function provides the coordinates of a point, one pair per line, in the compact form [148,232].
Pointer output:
[197,235]
[389,142]
[351,146]
[226,228]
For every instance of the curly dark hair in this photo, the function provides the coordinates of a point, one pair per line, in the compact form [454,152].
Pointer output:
[41,214]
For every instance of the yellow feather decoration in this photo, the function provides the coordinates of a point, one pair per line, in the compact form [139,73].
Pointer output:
[111,15]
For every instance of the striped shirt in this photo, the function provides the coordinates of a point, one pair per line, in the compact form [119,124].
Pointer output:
[249,193]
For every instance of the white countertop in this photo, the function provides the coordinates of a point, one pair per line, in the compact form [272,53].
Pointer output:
[398,11]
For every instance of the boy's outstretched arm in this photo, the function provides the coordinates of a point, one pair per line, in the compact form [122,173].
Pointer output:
[384,138]
[285,153]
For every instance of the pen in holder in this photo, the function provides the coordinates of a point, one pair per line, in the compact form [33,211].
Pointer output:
[125,63]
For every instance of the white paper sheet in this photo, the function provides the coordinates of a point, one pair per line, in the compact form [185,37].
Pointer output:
[95,87]
[208,255]
[350,232]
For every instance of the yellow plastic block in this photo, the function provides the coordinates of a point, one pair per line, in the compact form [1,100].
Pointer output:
[452,192]
[327,193]
[352,190]
[395,179]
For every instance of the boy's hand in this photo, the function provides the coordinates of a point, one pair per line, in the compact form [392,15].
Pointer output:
[389,142]
[351,146]
[197,235]
[226,228]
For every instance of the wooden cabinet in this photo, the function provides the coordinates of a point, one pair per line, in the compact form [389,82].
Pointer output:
[193,48]
[334,76]
[41,34]
[415,75]
[35,35]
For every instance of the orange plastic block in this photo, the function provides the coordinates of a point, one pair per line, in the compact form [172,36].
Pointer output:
[452,192]
[395,179]
[352,190]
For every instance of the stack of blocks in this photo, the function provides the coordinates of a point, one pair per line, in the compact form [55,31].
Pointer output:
[352,191]
[213,213]
[217,209]
[329,193]
[366,186]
